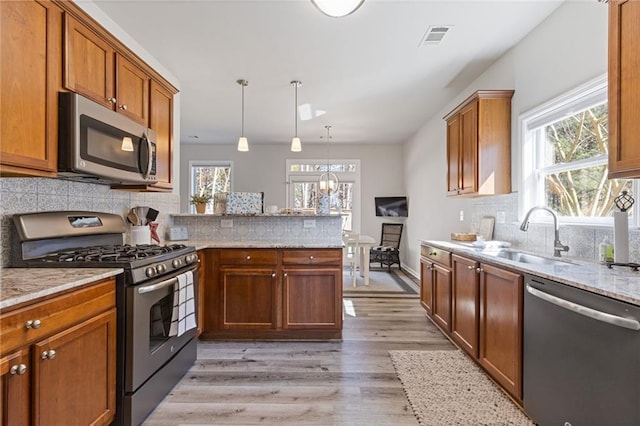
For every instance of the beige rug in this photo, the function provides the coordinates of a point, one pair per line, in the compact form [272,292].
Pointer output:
[446,388]
[382,283]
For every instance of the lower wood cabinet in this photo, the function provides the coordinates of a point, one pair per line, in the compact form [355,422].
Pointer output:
[465,304]
[58,364]
[272,294]
[480,307]
[501,310]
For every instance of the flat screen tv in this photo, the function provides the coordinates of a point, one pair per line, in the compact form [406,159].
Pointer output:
[392,206]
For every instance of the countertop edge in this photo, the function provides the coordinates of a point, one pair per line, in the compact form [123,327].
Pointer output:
[617,284]
[59,279]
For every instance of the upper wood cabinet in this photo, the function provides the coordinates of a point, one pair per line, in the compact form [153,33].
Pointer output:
[161,120]
[31,57]
[479,144]
[95,70]
[624,89]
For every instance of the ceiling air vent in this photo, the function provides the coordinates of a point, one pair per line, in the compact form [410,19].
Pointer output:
[435,34]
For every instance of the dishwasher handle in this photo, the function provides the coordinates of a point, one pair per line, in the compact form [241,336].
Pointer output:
[583,310]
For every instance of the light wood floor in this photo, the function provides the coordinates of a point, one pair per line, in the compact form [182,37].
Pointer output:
[351,382]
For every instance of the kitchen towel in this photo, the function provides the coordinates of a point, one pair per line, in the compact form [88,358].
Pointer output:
[621,237]
[183,317]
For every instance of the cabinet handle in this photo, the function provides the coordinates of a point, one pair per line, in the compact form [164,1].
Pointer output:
[274,275]
[286,275]
[310,257]
[50,354]
[123,107]
[478,270]
[18,369]
[33,324]
[111,100]
[471,267]
[433,253]
[248,257]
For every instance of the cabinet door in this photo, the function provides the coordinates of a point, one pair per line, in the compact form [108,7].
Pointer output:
[468,149]
[132,91]
[89,64]
[426,286]
[624,87]
[321,291]
[501,327]
[464,304]
[249,297]
[74,374]
[453,155]
[442,297]
[31,39]
[161,121]
[15,376]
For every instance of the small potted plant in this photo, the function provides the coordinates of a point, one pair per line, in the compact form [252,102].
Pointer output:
[200,201]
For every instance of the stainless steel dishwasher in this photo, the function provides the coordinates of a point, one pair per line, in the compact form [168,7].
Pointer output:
[581,362]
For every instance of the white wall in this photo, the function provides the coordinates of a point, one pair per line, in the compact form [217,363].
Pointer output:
[262,169]
[567,49]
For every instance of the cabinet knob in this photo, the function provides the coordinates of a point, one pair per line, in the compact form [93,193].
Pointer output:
[433,253]
[310,257]
[50,354]
[122,107]
[33,324]
[274,275]
[286,275]
[478,270]
[248,257]
[18,369]
[111,100]
[471,267]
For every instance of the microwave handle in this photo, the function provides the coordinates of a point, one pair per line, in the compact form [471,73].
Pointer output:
[150,156]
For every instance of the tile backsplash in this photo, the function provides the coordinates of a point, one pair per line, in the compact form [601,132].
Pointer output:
[582,240]
[27,195]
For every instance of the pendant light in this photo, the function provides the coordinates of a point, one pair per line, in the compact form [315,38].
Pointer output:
[337,8]
[328,181]
[243,143]
[296,145]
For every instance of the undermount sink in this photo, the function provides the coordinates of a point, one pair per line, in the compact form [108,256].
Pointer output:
[518,256]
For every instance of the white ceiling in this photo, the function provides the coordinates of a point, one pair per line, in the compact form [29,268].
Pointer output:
[366,70]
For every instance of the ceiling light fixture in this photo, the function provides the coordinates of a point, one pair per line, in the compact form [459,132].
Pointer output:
[337,8]
[296,145]
[328,181]
[243,143]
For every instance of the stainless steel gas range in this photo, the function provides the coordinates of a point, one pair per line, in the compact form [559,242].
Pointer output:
[155,297]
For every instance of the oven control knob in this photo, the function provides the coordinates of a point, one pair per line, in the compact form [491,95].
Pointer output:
[190,258]
[160,269]
[177,263]
[150,271]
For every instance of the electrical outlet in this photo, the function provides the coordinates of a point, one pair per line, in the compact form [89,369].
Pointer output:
[501,216]
[226,223]
[309,223]
[461,215]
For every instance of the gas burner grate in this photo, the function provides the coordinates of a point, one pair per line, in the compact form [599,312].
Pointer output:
[634,266]
[112,253]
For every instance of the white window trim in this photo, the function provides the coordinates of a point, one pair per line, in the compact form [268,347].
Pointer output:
[206,163]
[590,93]
[342,177]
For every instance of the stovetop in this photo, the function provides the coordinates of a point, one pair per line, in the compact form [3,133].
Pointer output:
[119,254]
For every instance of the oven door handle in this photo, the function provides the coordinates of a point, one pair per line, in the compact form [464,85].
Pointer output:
[158,286]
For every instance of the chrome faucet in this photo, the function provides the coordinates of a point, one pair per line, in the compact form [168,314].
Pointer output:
[558,247]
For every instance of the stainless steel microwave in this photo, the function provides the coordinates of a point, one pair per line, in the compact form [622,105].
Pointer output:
[103,146]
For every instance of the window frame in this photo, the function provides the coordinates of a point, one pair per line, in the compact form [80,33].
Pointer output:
[206,163]
[313,176]
[584,96]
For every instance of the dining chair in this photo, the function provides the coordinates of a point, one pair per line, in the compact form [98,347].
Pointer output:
[388,252]
[350,253]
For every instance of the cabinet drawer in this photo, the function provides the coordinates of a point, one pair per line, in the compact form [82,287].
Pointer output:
[54,314]
[436,255]
[311,257]
[248,257]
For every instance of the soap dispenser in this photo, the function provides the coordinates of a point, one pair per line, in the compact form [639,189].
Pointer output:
[605,250]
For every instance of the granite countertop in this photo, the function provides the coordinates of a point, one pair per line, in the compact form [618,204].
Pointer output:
[19,285]
[618,283]
[204,244]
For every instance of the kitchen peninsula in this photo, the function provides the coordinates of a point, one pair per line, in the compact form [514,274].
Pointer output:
[268,276]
